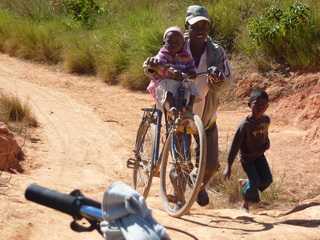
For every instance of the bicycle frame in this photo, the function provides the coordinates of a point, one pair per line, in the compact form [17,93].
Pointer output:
[156,144]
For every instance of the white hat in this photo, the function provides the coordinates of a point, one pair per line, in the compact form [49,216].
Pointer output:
[173,29]
[196,13]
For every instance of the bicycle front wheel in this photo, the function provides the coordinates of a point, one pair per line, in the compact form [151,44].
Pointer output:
[143,170]
[183,166]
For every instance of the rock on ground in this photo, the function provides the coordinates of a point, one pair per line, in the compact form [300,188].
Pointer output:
[10,152]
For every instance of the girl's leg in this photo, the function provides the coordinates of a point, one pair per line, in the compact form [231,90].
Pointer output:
[169,101]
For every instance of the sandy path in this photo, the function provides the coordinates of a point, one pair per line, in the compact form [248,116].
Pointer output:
[86,135]
[74,151]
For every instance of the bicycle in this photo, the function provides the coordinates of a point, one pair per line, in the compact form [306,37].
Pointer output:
[188,161]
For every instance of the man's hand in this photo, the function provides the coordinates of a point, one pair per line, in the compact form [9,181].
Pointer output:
[227,172]
[215,77]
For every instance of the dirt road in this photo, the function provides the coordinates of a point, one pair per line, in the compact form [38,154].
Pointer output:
[85,136]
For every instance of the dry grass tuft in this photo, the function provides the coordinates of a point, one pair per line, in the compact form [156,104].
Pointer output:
[12,109]
[226,194]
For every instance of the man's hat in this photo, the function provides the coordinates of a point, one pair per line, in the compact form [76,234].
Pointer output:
[196,13]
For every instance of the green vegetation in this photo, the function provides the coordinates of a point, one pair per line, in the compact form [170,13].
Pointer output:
[112,38]
[287,35]
[83,11]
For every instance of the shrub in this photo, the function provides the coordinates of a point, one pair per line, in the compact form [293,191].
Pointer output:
[83,11]
[287,35]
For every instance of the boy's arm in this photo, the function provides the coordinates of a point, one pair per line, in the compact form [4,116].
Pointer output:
[268,140]
[236,144]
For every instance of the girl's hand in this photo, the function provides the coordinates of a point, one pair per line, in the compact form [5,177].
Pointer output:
[151,62]
[174,74]
[227,173]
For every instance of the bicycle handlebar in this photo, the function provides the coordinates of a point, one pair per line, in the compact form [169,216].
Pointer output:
[213,70]
[73,204]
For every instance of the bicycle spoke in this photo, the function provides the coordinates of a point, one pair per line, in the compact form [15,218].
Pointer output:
[143,151]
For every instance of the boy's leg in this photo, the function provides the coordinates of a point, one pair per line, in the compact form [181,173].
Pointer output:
[250,189]
[264,173]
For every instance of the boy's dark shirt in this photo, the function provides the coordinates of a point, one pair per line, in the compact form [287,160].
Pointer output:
[251,138]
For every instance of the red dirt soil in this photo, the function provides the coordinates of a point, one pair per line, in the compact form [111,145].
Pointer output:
[87,132]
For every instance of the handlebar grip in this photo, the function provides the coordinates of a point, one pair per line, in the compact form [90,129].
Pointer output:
[59,201]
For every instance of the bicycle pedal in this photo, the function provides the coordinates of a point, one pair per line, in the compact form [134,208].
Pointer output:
[132,163]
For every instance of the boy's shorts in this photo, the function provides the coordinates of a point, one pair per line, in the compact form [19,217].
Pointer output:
[169,85]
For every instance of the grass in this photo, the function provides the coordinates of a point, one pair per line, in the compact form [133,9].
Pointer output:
[123,37]
[225,193]
[13,110]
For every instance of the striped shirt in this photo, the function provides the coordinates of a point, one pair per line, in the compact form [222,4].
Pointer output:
[182,61]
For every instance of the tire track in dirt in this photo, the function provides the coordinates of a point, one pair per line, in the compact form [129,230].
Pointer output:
[79,154]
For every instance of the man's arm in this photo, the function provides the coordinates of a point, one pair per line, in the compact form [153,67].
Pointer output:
[218,59]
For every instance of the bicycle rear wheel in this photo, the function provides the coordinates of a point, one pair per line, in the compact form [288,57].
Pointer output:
[143,169]
[182,167]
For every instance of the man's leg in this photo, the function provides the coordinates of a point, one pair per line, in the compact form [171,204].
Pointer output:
[212,164]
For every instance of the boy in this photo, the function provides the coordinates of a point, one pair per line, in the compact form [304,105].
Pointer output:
[172,60]
[252,140]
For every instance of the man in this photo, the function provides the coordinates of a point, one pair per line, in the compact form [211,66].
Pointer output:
[207,55]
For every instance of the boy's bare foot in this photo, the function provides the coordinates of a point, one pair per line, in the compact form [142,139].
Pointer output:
[242,182]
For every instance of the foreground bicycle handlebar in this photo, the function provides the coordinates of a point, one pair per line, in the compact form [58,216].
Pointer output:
[74,204]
